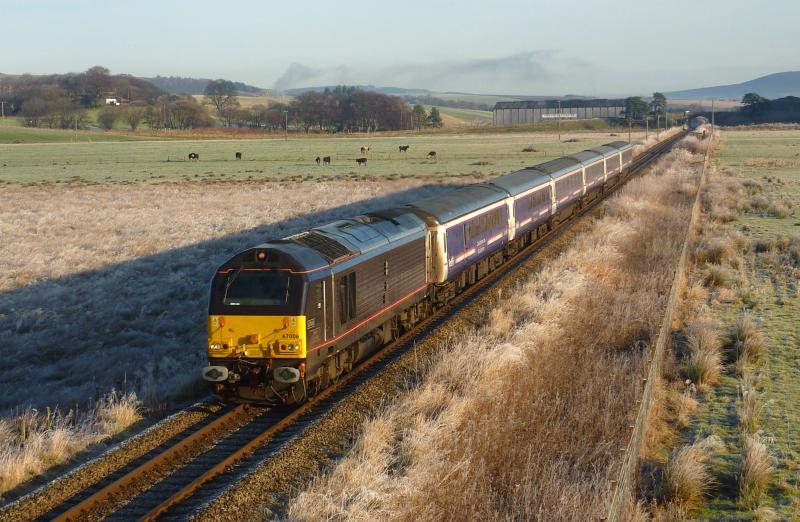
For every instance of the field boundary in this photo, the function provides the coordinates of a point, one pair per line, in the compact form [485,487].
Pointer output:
[622,485]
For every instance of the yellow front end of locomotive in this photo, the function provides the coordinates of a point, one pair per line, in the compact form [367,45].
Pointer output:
[256,336]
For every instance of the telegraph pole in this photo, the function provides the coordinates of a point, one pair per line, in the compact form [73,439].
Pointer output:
[286,125]
[559,121]
[712,115]
[2,109]
[629,129]
[646,126]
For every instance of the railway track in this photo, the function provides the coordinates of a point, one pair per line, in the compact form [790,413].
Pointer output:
[180,476]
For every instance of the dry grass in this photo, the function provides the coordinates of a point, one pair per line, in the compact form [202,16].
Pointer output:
[115,273]
[33,441]
[749,409]
[750,345]
[687,477]
[755,472]
[703,366]
[526,422]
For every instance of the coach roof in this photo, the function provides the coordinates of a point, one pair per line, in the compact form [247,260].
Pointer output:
[619,145]
[459,202]
[520,181]
[587,156]
[558,167]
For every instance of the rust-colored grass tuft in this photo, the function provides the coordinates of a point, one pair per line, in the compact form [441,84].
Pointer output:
[755,471]
[687,477]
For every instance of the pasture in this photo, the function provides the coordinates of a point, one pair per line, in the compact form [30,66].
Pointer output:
[156,161]
[13,133]
[452,116]
[762,279]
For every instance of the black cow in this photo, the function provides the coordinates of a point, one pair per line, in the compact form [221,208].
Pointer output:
[194,156]
[317,160]
[238,155]
[326,160]
[432,154]
[361,161]
[404,148]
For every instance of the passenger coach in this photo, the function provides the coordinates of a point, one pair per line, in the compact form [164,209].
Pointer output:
[289,316]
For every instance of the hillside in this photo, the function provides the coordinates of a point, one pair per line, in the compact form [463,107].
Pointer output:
[771,86]
[181,85]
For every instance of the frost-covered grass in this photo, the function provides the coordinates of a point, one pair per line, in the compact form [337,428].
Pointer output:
[104,287]
[32,441]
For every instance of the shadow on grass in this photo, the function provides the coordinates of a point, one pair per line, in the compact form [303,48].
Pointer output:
[133,326]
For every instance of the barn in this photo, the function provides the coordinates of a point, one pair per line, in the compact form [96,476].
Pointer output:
[535,111]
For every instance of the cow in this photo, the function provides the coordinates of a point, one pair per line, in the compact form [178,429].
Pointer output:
[361,161]
[364,149]
[326,160]
[317,160]
[238,155]
[404,148]
[194,156]
[432,154]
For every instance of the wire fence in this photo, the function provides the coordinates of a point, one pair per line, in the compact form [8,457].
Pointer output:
[623,484]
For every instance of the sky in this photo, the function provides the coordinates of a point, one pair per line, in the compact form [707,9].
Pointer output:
[533,47]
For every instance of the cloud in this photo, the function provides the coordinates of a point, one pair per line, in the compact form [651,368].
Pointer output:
[529,72]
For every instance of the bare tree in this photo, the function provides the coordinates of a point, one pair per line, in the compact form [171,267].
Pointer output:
[133,115]
[107,117]
[221,94]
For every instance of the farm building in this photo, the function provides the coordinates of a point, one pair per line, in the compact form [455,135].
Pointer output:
[534,111]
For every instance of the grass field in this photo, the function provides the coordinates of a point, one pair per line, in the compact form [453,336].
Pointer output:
[12,132]
[159,161]
[761,280]
[452,116]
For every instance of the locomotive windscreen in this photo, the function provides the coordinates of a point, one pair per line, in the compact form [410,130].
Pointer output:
[256,288]
[249,291]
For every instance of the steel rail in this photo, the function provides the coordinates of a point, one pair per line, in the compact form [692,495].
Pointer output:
[114,491]
[110,491]
[636,166]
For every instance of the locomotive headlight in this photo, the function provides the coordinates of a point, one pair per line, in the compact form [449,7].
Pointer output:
[215,346]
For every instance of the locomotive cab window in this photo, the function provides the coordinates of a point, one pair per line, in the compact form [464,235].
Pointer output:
[347,297]
[256,288]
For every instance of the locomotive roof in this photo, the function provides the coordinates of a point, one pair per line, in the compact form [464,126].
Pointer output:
[619,145]
[338,241]
[347,238]
[558,167]
[459,202]
[587,156]
[517,182]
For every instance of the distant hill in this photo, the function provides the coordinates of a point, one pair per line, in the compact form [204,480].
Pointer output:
[771,86]
[181,85]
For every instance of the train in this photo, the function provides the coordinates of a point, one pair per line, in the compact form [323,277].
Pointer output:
[288,317]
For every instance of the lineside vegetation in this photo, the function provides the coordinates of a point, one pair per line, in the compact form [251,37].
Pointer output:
[523,417]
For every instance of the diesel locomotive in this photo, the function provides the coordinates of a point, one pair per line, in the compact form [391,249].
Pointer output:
[288,317]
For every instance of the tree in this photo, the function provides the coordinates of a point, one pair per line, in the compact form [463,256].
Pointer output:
[133,115]
[107,116]
[221,94]
[635,108]
[435,119]
[754,103]
[419,116]
[658,105]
